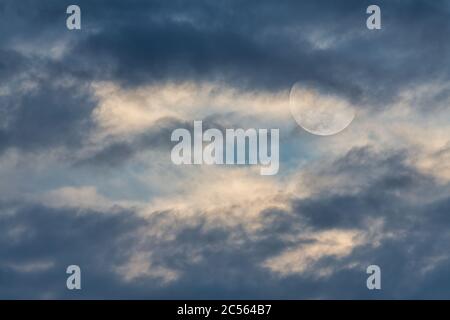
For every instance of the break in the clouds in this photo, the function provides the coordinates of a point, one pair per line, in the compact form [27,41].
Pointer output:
[85,172]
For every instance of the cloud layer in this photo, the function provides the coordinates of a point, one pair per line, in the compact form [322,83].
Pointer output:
[85,170]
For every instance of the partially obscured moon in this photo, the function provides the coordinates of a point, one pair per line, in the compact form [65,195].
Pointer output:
[319,113]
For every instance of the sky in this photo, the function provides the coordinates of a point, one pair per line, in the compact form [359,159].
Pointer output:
[86,177]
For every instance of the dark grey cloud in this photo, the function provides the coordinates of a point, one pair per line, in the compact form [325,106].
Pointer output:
[63,237]
[116,152]
[268,45]
[386,181]
[51,115]
[215,261]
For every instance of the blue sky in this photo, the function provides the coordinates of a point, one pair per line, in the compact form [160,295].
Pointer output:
[85,170]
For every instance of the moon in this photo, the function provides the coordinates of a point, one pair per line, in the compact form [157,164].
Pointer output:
[319,114]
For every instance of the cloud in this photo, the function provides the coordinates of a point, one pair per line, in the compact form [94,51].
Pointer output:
[260,46]
[208,42]
[41,113]
[83,198]
[166,251]
[85,171]
[303,258]
[140,266]
[124,111]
